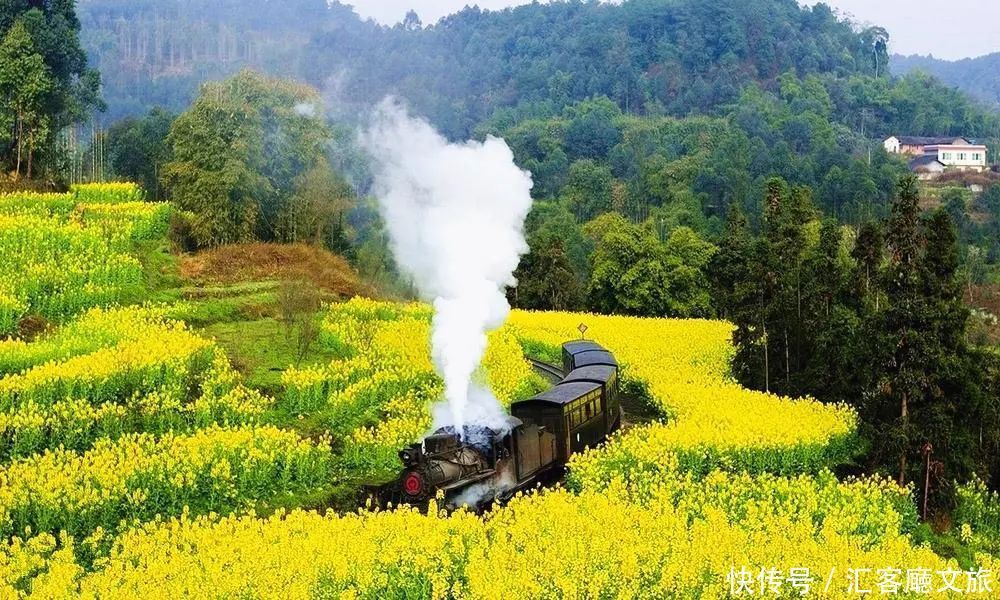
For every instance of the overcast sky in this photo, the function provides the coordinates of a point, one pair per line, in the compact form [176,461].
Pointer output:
[951,29]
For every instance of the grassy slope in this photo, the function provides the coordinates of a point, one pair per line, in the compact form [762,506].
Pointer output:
[231,295]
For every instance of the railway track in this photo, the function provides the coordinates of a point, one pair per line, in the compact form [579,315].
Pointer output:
[551,372]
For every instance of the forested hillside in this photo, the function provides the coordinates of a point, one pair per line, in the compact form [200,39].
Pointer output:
[157,52]
[669,113]
[978,77]
[651,57]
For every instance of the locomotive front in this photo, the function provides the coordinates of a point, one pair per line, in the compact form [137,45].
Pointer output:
[447,464]
[439,463]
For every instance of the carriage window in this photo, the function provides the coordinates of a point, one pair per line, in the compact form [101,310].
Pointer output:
[590,409]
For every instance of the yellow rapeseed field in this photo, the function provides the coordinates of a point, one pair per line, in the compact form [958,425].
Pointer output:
[712,422]
[63,253]
[141,475]
[680,544]
[652,519]
[158,435]
[112,372]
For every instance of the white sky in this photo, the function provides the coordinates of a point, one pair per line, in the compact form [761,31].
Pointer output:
[952,29]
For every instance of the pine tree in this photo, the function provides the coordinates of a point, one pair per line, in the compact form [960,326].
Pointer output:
[830,363]
[902,327]
[786,213]
[868,254]
[941,417]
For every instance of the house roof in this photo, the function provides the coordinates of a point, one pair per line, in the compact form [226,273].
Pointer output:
[924,161]
[966,147]
[913,140]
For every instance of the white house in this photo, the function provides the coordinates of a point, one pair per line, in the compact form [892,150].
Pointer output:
[962,156]
[936,154]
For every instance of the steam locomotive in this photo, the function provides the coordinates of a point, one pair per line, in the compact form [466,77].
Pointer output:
[485,465]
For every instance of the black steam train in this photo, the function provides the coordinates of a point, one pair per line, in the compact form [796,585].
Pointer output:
[486,465]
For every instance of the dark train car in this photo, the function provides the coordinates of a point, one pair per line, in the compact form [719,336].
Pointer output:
[573,411]
[607,377]
[571,349]
[592,358]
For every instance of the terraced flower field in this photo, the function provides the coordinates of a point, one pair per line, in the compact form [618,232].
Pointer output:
[135,461]
[63,253]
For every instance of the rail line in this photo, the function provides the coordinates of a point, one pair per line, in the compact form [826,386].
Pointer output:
[550,372]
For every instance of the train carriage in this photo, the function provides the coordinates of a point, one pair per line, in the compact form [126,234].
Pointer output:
[607,377]
[571,349]
[573,411]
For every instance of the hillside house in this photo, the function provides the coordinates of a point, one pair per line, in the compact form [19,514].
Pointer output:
[934,155]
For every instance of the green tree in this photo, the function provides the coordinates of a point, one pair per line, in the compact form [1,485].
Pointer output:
[588,189]
[868,254]
[688,256]
[629,271]
[25,83]
[237,153]
[636,274]
[546,279]
[46,83]
[592,131]
[317,211]
[928,383]
[831,325]
[876,40]
[729,271]
[786,213]
[550,224]
[902,377]
[138,149]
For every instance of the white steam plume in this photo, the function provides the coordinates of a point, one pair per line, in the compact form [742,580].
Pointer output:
[305,109]
[455,214]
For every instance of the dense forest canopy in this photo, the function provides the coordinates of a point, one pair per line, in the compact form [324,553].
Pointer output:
[978,77]
[651,57]
[158,52]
